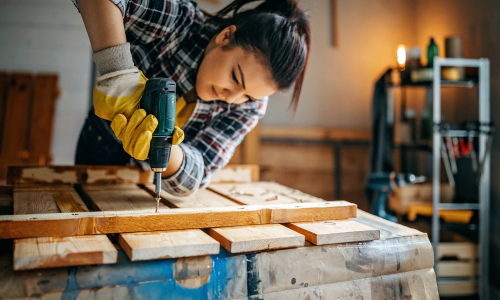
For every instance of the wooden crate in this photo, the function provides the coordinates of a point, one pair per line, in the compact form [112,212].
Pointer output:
[457,259]
[401,198]
[27,107]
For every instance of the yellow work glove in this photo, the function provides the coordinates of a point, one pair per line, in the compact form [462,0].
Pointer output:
[118,93]
[136,134]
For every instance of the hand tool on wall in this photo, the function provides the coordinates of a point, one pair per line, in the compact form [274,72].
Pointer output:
[451,154]
[446,162]
[384,183]
[159,99]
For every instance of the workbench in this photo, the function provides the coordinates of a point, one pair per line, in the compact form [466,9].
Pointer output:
[398,265]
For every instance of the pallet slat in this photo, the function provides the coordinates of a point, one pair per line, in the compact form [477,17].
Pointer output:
[201,198]
[335,232]
[253,238]
[122,197]
[71,224]
[167,244]
[51,252]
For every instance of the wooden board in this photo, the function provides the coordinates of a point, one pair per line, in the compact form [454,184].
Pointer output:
[458,251]
[254,238]
[51,252]
[42,120]
[43,199]
[237,174]
[201,198]
[78,175]
[71,224]
[335,232]
[15,128]
[167,244]
[261,193]
[121,197]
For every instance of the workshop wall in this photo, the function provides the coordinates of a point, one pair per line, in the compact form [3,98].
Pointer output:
[49,36]
[478,23]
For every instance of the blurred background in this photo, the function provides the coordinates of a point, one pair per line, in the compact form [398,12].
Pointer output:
[325,149]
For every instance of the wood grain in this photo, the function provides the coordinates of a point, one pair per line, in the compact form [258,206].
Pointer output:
[237,174]
[261,193]
[122,197]
[201,198]
[71,224]
[15,126]
[254,238]
[78,175]
[42,199]
[51,252]
[42,119]
[167,244]
[335,232]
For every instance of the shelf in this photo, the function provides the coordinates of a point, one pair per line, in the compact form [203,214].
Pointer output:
[459,206]
[457,280]
[468,83]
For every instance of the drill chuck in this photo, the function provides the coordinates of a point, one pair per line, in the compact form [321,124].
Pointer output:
[159,152]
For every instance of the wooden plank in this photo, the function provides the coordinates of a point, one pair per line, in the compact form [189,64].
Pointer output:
[456,268]
[78,175]
[17,111]
[71,224]
[254,238]
[42,120]
[121,197]
[256,193]
[335,232]
[201,198]
[237,174]
[44,199]
[51,252]
[167,244]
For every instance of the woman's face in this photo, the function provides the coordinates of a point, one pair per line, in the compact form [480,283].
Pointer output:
[232,75]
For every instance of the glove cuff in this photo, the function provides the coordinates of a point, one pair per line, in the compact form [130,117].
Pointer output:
[113,59]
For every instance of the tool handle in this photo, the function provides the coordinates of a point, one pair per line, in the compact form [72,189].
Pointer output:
[159,99]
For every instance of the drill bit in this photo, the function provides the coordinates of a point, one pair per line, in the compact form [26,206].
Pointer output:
[158,190]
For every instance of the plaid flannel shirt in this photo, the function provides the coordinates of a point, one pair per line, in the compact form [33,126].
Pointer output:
[168,39]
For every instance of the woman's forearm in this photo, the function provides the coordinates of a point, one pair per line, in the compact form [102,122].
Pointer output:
[175,163]
[104,23]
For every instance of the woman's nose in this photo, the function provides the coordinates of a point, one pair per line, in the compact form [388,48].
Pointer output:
[230,96]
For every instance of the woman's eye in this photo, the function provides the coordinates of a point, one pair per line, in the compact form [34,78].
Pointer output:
[234,78]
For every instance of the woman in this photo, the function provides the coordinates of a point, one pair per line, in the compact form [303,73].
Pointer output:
[224,67]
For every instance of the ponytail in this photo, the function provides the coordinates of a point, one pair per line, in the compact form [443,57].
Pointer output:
[278,32]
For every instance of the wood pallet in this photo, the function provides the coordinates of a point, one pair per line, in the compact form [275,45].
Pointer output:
[242,217]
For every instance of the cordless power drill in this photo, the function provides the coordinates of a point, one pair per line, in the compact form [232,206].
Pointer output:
[159,99]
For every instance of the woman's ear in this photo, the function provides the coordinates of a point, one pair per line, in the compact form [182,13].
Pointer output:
[225,36]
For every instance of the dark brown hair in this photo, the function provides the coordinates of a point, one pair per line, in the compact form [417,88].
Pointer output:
[278,31]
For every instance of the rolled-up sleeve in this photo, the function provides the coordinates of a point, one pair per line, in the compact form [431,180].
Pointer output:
[213,147]
[147,20]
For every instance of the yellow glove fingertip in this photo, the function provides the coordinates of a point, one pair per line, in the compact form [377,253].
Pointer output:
[141,148]
[178,136]
[119,122]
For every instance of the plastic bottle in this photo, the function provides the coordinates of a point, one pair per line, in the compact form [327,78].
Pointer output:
[432,50]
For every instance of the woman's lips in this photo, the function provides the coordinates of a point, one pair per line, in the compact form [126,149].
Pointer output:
[214,93]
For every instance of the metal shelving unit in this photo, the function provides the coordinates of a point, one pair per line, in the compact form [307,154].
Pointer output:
[484,182]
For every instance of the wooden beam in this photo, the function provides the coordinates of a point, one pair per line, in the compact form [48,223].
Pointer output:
[254,238]
[315,133]
[167,244]
[335,232]
[51,252]
[72,224]
[78,175]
